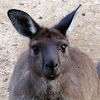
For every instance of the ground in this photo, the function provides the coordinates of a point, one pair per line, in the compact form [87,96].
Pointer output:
[85,36]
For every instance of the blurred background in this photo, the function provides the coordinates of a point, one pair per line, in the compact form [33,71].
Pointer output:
[85,35]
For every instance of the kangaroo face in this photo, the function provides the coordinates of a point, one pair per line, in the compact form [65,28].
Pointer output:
[47,52]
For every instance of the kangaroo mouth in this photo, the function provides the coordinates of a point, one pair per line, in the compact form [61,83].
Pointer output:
[51,75]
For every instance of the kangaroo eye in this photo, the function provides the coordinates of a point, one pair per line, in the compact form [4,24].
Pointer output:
[63,48]
[35,49]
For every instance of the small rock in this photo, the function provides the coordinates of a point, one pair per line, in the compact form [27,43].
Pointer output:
[90,43]
[78,26]
[6,80]
[1,23]
[6,29]
[34,6]
[39,2]
[83,14]
[76,34]
[40,17]
[21,4]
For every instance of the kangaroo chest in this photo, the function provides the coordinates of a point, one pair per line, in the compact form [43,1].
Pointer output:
[50,91]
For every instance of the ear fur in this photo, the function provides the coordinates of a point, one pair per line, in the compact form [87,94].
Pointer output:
[66,25]
[23,23]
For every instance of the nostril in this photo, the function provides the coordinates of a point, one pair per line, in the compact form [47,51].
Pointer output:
[56,65]
[47,66]
[51,65]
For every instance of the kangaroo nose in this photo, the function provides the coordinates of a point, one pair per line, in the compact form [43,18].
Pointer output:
[51,65]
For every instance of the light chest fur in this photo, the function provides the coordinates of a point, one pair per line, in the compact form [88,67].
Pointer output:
[49,91]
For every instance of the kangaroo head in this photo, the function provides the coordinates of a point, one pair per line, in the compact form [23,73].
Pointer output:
[48,47]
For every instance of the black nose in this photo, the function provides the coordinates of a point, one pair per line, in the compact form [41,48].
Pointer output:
[51,65]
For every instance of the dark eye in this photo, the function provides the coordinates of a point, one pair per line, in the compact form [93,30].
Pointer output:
[63,47]
[35,49]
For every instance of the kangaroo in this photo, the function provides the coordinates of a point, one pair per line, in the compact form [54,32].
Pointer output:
[98,70]
[51,69]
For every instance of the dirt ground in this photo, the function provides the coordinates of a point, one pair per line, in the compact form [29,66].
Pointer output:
[85,36]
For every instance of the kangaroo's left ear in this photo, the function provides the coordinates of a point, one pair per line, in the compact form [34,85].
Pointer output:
[66,25]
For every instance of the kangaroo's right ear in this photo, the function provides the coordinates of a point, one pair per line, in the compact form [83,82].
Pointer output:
[23,23]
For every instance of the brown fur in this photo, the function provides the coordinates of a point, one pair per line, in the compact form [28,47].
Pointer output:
[78,79]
